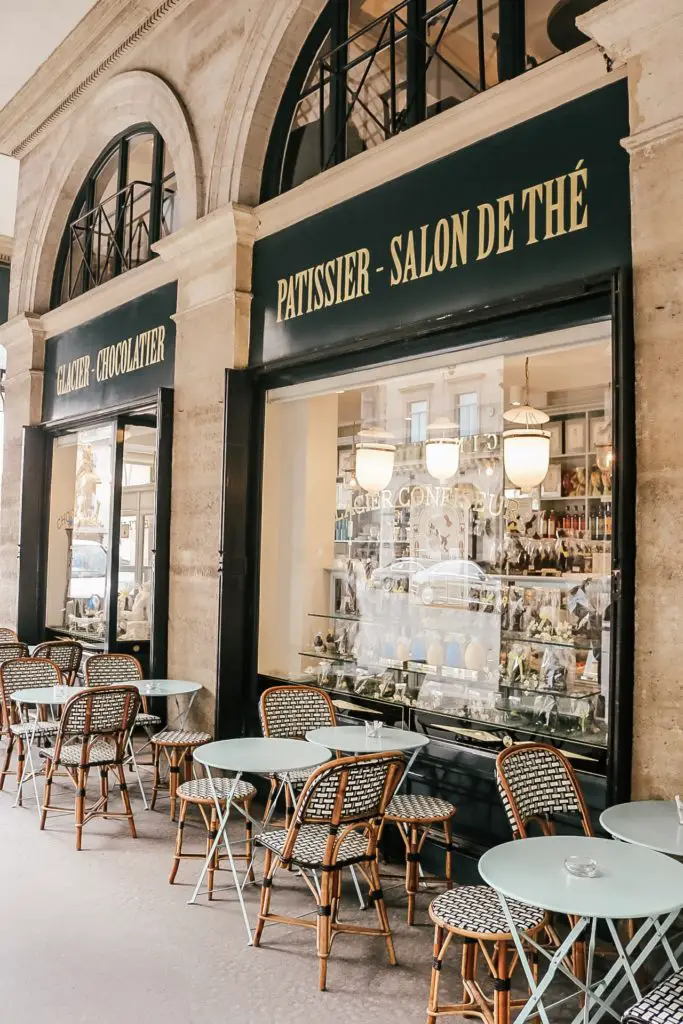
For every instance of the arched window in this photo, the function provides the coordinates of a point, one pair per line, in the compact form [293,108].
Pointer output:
[373,68]
[126,203]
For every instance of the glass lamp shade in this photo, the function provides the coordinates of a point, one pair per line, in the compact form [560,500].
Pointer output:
[443,457]
[374,465]
[526,455]
[604,456]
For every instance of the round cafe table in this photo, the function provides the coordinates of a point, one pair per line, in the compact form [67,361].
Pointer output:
[650,823]
[353,739]
[265,755]
[632,883]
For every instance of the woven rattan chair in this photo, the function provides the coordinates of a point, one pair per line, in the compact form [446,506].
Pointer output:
[289,712]
[177,746]
[473,914]
[198,793]
[23,673]
[9,651]
[416,815]
[7,635]
[67,654]
[335,825]
[536,783]
[94,731]
[108,669]
[662,1004]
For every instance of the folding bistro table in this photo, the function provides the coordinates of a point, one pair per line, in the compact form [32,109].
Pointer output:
[631,883]
[265,755]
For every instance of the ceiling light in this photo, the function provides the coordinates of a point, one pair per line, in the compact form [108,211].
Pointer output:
[374,459]
[442,454]
[526,447]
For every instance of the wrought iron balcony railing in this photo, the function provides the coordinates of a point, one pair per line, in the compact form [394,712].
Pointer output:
[117,235]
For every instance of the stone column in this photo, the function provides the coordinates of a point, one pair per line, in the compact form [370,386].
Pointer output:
[24,340]
[213,261]
[649,39]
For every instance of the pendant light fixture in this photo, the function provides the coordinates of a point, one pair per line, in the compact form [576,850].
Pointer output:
[526,447]
[374,459]
[442,453]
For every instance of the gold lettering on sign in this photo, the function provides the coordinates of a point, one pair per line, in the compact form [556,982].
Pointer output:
[537,213]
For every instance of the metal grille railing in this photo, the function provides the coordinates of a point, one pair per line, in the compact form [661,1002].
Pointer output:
[116,235]
[379,74]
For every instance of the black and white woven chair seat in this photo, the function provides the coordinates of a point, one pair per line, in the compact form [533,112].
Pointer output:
[309,849]
[296,777]
[476,909]
[415,807]
[99,752]
[180,738]
[199,790]
[25,729]
[663,1005]
[147,720]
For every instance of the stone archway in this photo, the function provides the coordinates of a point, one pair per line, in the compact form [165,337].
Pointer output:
[127,99]
[250,109]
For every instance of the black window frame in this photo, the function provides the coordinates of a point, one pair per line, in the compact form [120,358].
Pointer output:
[84,202]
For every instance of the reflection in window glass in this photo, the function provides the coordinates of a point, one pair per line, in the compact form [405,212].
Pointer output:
[466,598]
[136,534]
[80,503]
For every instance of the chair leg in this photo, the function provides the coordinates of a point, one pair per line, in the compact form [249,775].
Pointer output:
[125,799]
[248,844]
[448,835]
[323,926]
[155,784]
[211,834]
[380,907]
[81,783]
[104,787]
[501,996]
[273,791]
[178,842]
[288,806]
[20,768]
[8,759]
[412,870]
[173,771]
[47,790]
[433,1006]
[266,886]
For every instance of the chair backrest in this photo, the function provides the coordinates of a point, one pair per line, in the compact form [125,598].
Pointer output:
[290,711]
[101,711]
[537,782]
[8,651]
[350,790]
[25,674]
[65,653]
[7,635]
[110,669]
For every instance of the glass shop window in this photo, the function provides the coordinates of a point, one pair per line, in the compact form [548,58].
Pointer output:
[465,578]
[79,539]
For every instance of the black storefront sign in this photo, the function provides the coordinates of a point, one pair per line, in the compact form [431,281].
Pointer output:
[534,207]
[112,360]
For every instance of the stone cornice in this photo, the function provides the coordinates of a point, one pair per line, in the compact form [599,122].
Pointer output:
[626,27]
[89,54]
[207,239]
[652,136]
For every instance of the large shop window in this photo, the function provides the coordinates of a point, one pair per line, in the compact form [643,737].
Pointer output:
[372,68]
[83,519]
[460,574]
[127,202]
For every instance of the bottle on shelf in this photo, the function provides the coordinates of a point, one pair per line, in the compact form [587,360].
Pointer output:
[608,521]
[552,523]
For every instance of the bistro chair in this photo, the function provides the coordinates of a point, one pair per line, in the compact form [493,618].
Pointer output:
[108,669]
[536,783]
[416,815]
[289,712]
[177,746]
[8,651]
[662,1004]
[94,731]
[473,914]
[198,793]
[23,673]
[66,654]
[7,635]
[335,824]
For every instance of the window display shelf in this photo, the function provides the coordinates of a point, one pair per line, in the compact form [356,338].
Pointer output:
[574,694]
[329,656]
[577,643]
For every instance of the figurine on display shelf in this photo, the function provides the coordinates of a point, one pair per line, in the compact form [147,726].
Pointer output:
[558,669]
[318,643]
[582,604]
[546,711]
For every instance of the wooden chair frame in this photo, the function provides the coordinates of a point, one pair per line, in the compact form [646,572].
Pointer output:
[265,726]
[46,650]
[8,635]
[414,833]
[79,774]
[10,711]
[328,895]
[501,965]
